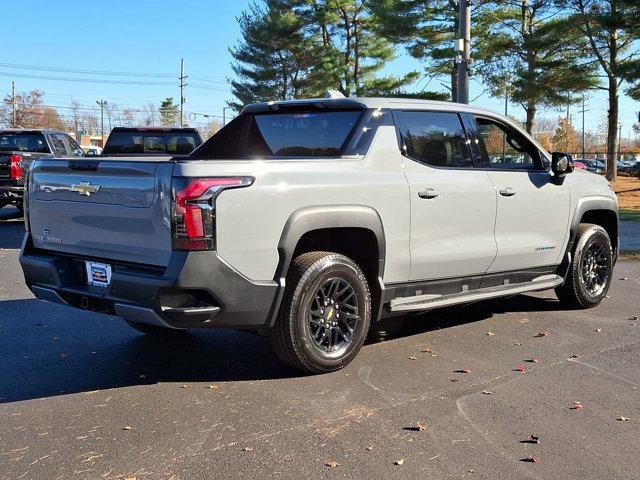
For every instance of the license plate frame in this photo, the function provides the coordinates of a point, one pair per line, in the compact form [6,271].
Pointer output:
[98,274]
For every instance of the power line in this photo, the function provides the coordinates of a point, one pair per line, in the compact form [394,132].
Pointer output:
[83,80]
[87,72]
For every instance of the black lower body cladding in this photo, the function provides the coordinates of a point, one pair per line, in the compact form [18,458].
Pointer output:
[195,290]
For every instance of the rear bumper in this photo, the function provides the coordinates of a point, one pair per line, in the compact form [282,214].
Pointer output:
[10,192]
[195,290]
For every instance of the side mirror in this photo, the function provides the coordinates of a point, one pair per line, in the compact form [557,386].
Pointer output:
[561,164]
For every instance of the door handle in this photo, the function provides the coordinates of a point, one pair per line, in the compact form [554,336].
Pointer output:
[429,193]
[508,192]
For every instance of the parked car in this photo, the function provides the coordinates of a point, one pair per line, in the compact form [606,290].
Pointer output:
[152,141]
[92,150]
[19,148]
[579,165]
[593,166]
[308,220]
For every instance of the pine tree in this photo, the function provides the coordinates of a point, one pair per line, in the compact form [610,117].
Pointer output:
[273,58]
[168,112]
[428,29]
[530,51]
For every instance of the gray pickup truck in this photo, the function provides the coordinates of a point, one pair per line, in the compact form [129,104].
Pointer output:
[19,148]
[307,220]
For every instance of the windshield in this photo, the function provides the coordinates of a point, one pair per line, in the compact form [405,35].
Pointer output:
[23,142]
[292,134]
[174,143]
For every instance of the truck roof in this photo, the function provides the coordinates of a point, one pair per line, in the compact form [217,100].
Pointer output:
[367,102]
[154,128]
[18,130]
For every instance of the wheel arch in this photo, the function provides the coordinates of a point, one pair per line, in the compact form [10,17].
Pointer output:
[601,211]
[313,228]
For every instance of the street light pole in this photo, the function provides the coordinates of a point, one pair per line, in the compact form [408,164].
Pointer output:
[463,58]
[102,104]
[224,115]
[182,78]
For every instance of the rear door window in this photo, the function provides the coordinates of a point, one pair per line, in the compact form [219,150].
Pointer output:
[434,138]
[58,144]
[282,134]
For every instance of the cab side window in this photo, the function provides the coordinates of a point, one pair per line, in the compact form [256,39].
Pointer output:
[434,138]
[58,145]
[75,150]
[504,148]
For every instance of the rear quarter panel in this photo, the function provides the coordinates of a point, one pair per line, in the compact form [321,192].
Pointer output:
[250,221]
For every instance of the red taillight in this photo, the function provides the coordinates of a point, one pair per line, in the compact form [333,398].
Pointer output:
[194,210]
[16,169]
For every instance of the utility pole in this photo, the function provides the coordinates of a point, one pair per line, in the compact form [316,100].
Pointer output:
[583,130]
[463,48]
[224,115]
[182,78]
[102,104]
[13,102]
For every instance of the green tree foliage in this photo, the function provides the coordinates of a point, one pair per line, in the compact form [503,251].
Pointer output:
[273,59]
[611,30]
[168,112]
[428,29]
[529,50]
[295,48]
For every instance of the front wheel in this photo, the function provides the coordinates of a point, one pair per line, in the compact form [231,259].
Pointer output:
[590,271]
[325,314]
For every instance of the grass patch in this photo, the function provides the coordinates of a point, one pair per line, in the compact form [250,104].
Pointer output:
[627,215]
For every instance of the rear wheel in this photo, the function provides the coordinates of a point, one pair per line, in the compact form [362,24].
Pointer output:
[325,314]
[155,330]
[590,271]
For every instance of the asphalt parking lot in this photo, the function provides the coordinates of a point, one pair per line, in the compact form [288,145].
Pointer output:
[84,396]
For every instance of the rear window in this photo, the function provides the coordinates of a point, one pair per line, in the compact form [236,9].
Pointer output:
[152,142]
[23,142]
[288,134]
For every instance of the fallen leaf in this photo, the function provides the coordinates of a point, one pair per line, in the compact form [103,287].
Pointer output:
[633,319]
[413,358]
[542,334]
[623,419]
[369,448]
[573,356]
[518,344]
[598,329]
[532,439]
[453,379]
[463,370]
[531,459]
[526,320]
[418,427]
[520,368]
[486,392]
[426,350]
[577,406]
[490,334]
[213,387]
[185,386]
[126,428]
[247,449]
[399,462]
[533,360]
[332,464]
[624,278]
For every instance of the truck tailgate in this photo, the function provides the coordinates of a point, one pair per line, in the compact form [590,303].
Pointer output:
[107,209]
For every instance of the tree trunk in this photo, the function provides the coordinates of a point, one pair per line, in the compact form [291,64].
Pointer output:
[612,129]
[531,115]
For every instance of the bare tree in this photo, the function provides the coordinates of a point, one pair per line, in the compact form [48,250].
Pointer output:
[150,113]
[129,117]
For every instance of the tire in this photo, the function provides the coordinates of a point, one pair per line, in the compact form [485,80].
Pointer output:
[589,276]
[156,331]
[309,334]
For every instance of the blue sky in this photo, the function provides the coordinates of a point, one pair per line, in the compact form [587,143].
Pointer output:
[144,36]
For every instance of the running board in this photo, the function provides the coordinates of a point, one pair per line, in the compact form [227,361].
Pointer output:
[429,301]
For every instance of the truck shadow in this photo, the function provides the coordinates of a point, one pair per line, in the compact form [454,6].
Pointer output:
[51,350]
[11,228]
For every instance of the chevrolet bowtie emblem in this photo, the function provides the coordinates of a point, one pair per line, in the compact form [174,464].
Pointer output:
[85,188]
